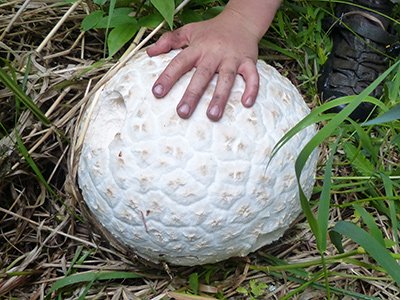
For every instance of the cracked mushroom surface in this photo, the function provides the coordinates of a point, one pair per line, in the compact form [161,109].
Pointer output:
[191,192]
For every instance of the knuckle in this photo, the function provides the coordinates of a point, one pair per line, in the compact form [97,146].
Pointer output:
[192,95]
[248,64]
[178,61]
[253,87]
[169,37]
[164,37]
[204,72]
[166,76]
[228,75]
[174,66]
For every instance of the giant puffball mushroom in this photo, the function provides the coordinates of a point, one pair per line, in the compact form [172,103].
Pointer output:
[191,192]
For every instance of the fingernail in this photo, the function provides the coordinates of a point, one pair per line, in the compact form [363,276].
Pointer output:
[248,102]
[158,90]
[184,110]
[214,111]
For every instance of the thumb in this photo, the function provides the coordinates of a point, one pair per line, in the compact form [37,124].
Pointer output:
[168,41]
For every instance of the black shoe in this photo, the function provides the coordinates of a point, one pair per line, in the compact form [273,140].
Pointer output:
[360,41]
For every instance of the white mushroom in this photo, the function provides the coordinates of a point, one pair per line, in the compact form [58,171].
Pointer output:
[191,192]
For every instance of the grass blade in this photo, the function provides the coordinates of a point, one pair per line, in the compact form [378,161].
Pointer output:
[323,134]
[358,160]
[366,142]
[24,98]
[91,276]
[324,203]
[389,116]
[22,149]
[393,206]
[370,222]
[316,285]
[372,246]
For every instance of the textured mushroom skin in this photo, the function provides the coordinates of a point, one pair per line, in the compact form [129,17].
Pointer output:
[191,192]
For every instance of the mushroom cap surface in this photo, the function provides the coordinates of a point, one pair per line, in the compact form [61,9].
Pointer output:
[191,192]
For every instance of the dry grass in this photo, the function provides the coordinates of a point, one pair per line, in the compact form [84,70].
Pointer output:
[42,231]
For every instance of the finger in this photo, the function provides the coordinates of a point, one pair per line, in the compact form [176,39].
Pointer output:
[179,65]
[169,40]
[195,90]
[226,78]
[249,72]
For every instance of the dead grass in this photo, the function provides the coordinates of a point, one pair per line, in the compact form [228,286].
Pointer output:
[42,232]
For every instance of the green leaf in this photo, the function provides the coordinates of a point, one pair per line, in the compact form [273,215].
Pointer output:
[393,87]
[75,258]
[166,9]
[370,222]
[336,239]
[150,21]
[391,115]
[270,45]
[366,142]
[204,3]
[358,160]
[119,36]
[257,288]
[390,243]
[90,277]
[242,290]
[121,16]
[91,21]
[194,283]
[393,206]
[212,12]
[190,16]
[100,2]
[371,246]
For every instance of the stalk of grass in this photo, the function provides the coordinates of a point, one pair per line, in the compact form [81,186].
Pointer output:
[323,211]
[316,285]
[13,86]
[358,160]
[110,14]
[324,203]
[323,134]
[372,246]
[367,200]
[318,225]
[77,259]
[25,153]
[307,279]
[389,116]
[305,284]
[283,266]
[365,140]
[370,222]
[393,206]
[90,277]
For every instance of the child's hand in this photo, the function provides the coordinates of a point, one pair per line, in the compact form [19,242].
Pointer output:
[221,45]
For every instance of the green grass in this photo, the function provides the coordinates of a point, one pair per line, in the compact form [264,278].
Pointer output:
[351,222]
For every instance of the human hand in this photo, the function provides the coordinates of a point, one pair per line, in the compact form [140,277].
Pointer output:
[220,45]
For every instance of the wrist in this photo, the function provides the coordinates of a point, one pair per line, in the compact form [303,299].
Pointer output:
[253,15]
